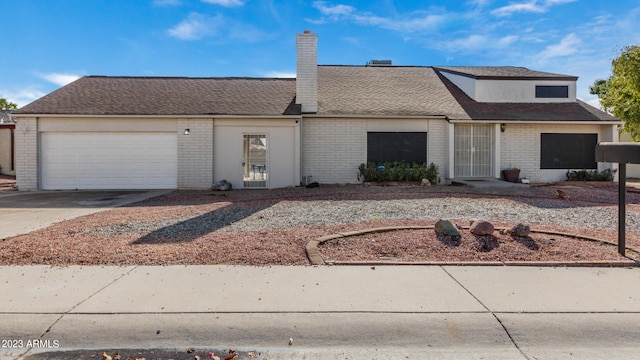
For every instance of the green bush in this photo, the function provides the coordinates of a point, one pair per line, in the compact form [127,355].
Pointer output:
[398,171]
[590,175]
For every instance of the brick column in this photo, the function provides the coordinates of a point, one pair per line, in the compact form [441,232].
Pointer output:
[26,137]
[195,154]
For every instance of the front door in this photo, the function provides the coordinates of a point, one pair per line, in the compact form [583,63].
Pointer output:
[255,171]
[473,147]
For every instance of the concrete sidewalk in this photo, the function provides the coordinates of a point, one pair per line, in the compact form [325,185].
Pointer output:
[381,312]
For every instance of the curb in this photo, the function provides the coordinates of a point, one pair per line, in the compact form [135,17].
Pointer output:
[604,263]
[313,251]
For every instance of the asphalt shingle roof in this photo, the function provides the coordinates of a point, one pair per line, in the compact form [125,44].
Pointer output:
[384,90]
[342,90]
[100,95]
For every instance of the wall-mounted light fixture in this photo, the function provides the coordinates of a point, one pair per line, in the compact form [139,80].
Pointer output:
[503,127]
[187,131]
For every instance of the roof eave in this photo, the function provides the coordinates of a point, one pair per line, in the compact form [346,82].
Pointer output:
[156,116]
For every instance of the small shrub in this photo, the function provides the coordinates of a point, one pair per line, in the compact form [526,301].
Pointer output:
[398,171]
[590,175]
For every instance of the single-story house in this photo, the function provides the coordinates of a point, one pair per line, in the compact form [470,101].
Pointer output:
[7,143]
[186,133]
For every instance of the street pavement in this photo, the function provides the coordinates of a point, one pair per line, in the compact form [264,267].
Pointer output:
[328,312]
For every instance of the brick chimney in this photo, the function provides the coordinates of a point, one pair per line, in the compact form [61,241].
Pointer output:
[307,71]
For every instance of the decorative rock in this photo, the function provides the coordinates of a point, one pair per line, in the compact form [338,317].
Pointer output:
[481,227]
[425,182]
[222,185]
[446,228]
[520,230]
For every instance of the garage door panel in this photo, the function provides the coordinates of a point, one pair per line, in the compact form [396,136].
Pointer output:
[109,161]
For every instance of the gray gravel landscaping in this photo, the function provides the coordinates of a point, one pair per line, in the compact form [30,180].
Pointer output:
[324,213]
[273,227]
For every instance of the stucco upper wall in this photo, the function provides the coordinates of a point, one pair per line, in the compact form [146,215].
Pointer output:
[509,91]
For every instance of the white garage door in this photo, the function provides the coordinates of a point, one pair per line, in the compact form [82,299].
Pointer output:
[109,161]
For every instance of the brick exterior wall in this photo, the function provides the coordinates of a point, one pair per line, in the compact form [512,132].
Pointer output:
[195,154]
[437,145]
[26,137]
[307,72]
[520,147]
[333,149]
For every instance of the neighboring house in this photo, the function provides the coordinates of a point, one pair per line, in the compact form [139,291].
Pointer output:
[7,144]
[151,132]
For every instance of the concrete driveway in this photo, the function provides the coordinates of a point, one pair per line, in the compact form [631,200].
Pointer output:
[24,212]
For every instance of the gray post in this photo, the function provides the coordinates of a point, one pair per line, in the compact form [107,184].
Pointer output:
[622,206]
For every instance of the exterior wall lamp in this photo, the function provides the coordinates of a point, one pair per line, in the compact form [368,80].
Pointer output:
[503,127]
[187,131]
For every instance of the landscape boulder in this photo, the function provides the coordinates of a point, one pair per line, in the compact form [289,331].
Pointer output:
[520,230]
[425,182]
[482,227]
[222,185]
[446,228]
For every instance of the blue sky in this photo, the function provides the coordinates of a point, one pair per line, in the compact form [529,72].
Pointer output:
[49,43]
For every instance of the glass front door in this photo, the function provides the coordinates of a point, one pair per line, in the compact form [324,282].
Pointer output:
[255,170]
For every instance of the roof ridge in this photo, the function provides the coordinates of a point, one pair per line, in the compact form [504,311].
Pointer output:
[185,77]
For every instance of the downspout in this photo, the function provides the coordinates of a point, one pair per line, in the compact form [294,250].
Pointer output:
[13,152]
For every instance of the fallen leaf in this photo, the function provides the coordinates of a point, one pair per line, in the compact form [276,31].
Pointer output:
[116,356]
[232,356]
[251,354]
[191,351]
[105,356]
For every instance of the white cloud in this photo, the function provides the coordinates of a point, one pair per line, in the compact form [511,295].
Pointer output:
[557,2]
[478,42]
[531,6]
[422,23]
[225,3]
[567,46]
[479,3]
[416,21]
[595,102]
[280,74]
[333,11]
[196,26]
[21,97]
[60,78]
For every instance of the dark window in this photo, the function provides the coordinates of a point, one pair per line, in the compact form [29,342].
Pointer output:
[552,91]
[568,151]
[409,147]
